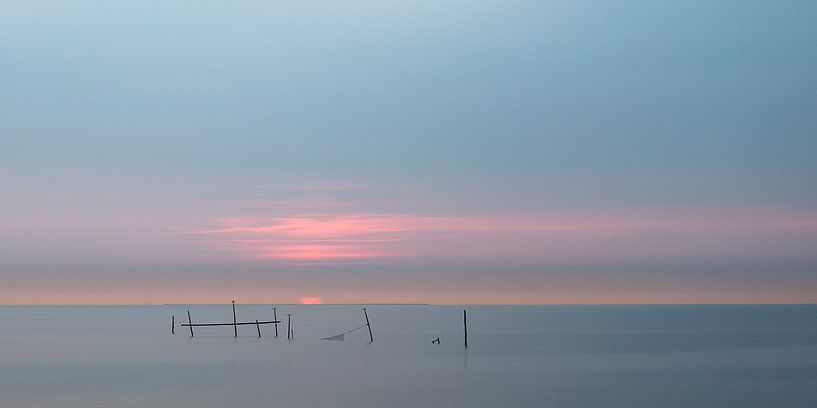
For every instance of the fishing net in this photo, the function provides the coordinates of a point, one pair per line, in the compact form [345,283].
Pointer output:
[341,337]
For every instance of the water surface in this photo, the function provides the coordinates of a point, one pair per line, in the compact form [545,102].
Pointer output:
[518,356]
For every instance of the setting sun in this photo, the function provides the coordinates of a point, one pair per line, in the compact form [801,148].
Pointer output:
[311,300]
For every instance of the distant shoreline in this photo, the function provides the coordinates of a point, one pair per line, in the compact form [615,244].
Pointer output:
[412,304]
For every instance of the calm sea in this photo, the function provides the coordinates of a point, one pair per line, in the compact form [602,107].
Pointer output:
[518,356]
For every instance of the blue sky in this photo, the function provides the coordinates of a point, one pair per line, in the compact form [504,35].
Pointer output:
[683,131]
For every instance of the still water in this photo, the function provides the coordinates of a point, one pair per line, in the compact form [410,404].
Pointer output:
[518,356]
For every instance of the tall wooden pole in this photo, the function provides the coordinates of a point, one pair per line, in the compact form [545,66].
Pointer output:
[258,326]
[275,318]
[289,331]
[465,326]
[371,338]
[190,322]
[173,325]
[235,327]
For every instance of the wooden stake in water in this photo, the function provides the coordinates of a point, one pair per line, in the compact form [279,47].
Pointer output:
[275,317]
[289,331]
[465,326]
[173,324]
[235,327]
[190,322]
[371,338]
[258,326]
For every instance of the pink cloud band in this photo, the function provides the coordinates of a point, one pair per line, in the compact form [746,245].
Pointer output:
[357,236]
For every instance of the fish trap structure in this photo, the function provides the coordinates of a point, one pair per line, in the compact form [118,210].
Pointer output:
[258,323]
[290,334]
[235,323]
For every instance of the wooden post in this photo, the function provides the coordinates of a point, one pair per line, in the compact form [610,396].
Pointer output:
[235,327]
[258,326]
[173,325]
[289,331]
[275,318]
[465,326]
[371,338]
[190,322]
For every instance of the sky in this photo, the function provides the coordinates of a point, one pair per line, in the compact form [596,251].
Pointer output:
[478,152]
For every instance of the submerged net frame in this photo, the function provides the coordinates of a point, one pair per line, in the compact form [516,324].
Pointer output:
[341,336]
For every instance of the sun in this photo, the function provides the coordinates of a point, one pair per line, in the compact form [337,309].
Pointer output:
[311,300]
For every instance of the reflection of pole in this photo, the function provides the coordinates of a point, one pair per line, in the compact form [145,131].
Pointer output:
[235,327]
[275,318]
[289,331]
[173,325]
[190,323]
[371,339]
[465,326]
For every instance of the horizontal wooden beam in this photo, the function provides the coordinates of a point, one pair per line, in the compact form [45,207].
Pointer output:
[229,324]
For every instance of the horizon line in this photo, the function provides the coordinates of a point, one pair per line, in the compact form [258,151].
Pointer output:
[416,304]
